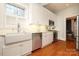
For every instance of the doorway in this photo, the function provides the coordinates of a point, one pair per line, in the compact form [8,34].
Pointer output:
[70,33]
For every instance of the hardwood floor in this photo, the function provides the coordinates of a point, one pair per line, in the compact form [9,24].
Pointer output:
[59,48]
[70,44]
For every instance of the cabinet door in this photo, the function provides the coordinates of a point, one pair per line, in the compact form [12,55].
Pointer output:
[26,47]
[47,38]
[28,36]
[1,45]
[29,46]
[38,14]
[50,37]
[44,39]
[0,51]
[12,50]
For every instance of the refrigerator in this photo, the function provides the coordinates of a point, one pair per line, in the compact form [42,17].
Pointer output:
[77,33]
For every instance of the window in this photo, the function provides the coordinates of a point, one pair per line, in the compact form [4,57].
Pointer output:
[14,10]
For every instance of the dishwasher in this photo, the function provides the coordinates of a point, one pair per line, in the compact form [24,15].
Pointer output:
[36,41]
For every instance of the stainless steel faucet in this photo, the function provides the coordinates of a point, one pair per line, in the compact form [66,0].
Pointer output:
[18,27]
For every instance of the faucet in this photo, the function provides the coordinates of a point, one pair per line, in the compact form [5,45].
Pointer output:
[18,27]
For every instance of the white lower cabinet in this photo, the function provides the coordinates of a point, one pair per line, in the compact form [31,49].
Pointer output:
[47,38]
[18,49]
[1,45]
[0,51]
[26,47]
[12,50]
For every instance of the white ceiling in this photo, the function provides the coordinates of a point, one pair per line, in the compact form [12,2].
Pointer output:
[56,7]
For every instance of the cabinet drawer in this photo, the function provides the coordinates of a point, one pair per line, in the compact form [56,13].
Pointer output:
[12,50]
[47,33]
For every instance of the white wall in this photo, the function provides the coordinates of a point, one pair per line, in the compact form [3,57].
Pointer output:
[61,20]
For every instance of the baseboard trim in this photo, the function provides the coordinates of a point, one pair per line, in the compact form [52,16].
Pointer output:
[62,40]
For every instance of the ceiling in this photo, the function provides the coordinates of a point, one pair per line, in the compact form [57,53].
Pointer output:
[56,7]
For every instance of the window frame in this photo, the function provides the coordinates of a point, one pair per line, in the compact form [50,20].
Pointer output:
[17,11]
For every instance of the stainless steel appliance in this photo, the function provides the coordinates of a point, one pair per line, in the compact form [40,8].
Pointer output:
[51,25]
[36,41]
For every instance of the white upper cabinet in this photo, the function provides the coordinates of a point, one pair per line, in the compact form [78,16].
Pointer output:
[51,16]
[38,14]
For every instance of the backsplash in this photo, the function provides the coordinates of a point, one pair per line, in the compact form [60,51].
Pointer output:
[29,28]
[5,31]
[36,28]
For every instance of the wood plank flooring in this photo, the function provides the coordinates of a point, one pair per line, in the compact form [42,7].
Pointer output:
[59,48]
